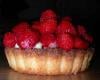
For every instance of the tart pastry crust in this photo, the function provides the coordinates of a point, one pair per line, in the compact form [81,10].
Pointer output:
[48,61]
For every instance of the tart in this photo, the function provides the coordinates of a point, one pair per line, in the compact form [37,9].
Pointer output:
[48,48]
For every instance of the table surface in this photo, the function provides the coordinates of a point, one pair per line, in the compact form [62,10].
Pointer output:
[7,73]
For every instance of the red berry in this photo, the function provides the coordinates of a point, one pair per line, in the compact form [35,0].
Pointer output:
[48,14]
[48,26]
[65,41]
[47,39]
[36,25]
[81,30]
[28,39]
[66,27]
[48,22]
[9,40]
[68,18]
[88,37]
[21,27]
[80,44]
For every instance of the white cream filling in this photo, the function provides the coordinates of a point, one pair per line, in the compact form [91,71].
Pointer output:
[53,45]
[17,46]
[38,45]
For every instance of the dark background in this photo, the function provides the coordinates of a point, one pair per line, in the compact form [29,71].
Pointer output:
[81,11]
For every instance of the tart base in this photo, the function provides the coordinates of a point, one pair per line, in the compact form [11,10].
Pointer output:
[48,61]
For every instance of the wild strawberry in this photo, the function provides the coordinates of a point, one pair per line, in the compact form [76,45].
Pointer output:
[48,14]
[47,40]
[36,25]
[21,27]
[88,37]
[65,41]
[28,39]
[48,26]
[9,40]
[68,18]
[80,43]
[66,27]
[81,30]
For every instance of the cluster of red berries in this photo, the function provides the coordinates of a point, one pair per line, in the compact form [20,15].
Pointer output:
[49,32]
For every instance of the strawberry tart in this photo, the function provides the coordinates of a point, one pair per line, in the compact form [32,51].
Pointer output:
[48,46]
